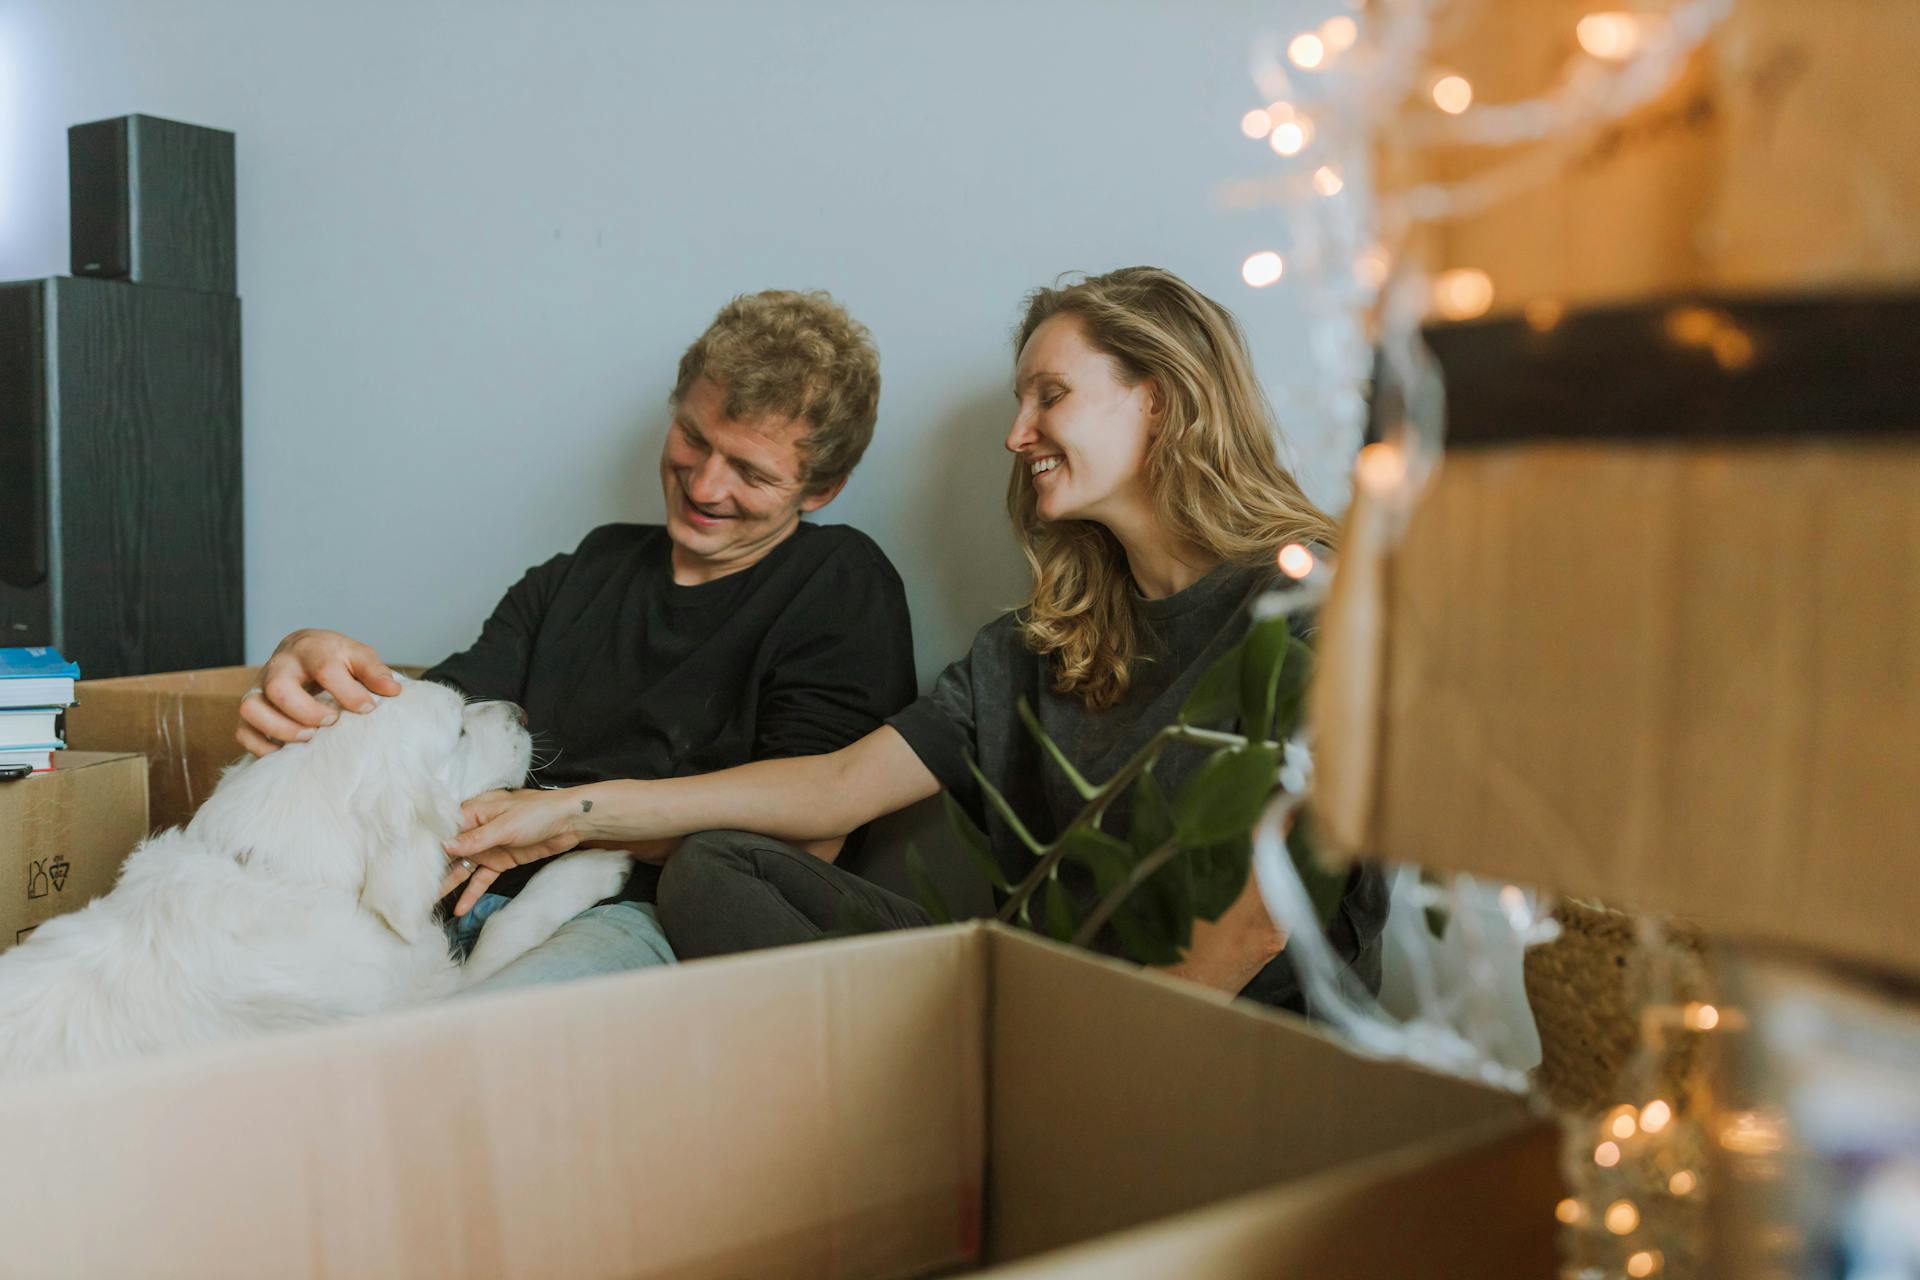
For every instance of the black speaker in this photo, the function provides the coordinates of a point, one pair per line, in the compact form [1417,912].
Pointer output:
[152,202]
[120,508]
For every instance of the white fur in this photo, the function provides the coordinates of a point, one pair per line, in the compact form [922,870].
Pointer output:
[303,891]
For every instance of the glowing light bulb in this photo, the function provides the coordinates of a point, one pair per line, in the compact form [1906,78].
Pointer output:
[1326,180]
[1256,123]
[1452,94]
[1307,51]
[1371,267]
[1296,561]
[1281,111]
[1700,1017]
[1380,468]
[1623,1125]
[1655,1115]
[1290,137]
[1732,348]
[1339,33]
[1693,326]
[1607,1155]
[1612,35]
[1462,293]
[1262,269]
[1569,1211]
[1621,1217]
[1750,1133]
[1682,1183]
[1643,1263]
[1544,314]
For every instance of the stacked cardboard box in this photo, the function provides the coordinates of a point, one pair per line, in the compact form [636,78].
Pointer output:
[64,834]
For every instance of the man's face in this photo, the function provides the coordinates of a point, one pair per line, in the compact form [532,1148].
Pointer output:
[733,488]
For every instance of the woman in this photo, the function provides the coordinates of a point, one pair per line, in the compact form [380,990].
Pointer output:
[1150,503]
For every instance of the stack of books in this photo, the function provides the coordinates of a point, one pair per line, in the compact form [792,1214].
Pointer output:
[36,688]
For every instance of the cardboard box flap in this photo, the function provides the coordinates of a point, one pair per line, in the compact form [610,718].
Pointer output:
[1121,1096]
[757,1116]
[1477,1205]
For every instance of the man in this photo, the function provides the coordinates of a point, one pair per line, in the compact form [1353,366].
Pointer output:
[735,632]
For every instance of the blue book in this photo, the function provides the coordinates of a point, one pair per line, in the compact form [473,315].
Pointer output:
[37,677]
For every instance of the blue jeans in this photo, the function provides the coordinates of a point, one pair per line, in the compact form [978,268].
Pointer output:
[610,938]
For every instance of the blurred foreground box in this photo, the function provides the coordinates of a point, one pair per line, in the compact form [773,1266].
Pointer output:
[1652,635]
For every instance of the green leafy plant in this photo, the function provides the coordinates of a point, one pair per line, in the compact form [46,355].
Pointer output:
[1184,857]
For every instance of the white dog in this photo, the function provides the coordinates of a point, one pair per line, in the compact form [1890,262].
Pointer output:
[304,890]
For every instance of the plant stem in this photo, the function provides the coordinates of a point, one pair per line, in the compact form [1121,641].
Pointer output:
[1096,806]
[1135,878]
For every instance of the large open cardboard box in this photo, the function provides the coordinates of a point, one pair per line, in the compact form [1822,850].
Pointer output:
[64,834]
[895,1105]
[182,721]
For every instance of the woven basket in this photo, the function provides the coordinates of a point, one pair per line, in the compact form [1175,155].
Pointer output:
[1585,988]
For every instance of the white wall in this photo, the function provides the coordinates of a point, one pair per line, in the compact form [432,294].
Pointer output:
[475,236]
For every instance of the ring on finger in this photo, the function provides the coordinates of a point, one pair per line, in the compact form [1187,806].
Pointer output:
[467,865]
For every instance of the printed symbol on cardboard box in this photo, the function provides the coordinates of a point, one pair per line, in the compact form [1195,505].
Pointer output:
[57,872]
[37,882]
[21,935]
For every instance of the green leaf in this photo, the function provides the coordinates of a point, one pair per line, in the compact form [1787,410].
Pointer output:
[1097,851]
[1154,923]
[976,843]
[1219,873]
[1216,699]
[1263,656]
[1060,921]
[1152,820]
[1080,784]
[1325,885]
[1005,810]
[1290,700]
[928,892]
[1227,795]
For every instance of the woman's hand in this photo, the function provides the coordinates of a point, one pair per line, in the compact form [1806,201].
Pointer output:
[507,829]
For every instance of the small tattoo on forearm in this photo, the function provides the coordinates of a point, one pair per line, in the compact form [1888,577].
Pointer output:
[586,806]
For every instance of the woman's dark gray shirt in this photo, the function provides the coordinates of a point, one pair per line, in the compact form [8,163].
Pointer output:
[971,713]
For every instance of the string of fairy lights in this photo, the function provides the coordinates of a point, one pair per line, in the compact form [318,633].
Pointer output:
[1335,99]
[1362,85]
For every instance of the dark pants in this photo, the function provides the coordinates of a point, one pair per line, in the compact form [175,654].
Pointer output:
[728,891]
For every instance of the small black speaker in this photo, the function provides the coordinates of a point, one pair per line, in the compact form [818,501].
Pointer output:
[120,502]
[152,202]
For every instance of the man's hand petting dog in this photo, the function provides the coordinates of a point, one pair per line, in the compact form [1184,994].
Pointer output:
[501,830]
[283,708]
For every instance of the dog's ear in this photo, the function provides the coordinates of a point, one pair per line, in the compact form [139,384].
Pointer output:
[403,856]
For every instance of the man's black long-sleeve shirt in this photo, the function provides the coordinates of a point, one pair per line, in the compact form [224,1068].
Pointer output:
[626,674]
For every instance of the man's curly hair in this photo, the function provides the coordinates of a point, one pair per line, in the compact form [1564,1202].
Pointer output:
[799,356]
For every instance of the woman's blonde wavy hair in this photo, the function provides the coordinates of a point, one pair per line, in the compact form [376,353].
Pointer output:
[1212,469]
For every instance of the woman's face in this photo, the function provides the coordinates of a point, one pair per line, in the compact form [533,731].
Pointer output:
[1080,430]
